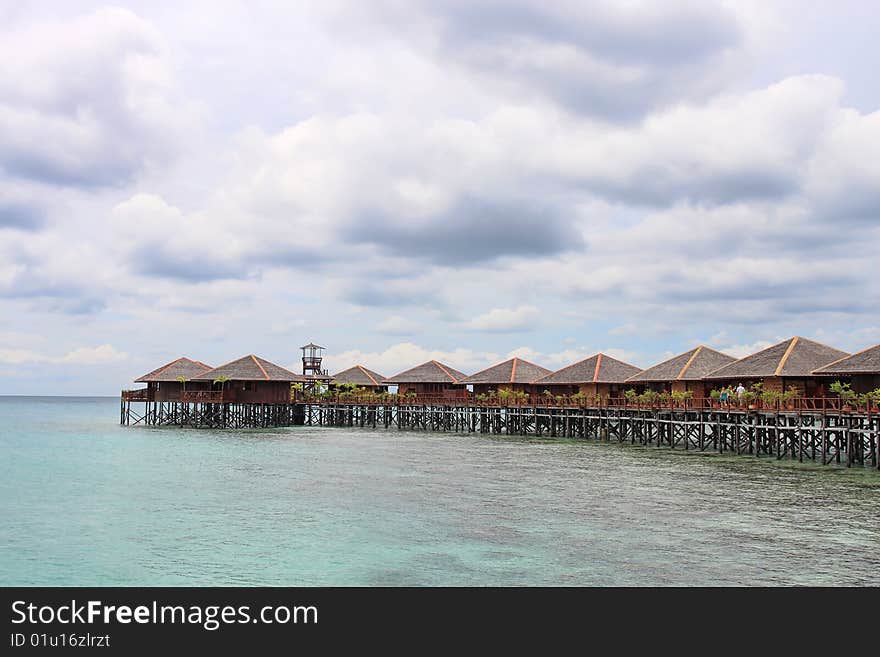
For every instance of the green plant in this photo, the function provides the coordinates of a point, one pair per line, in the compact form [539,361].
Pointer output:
[771,397]
[221,379]
[578,399]
[630,395]
[789,396]
[844,391]
[681,397]
[715,394]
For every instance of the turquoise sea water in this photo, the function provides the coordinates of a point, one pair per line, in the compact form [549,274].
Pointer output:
[86,502]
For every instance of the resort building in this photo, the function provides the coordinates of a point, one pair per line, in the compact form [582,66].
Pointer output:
[166,383]
[248,380]
[596,375]
[861,370]
[683,373]
[512,374]
[430,379]
[361,377]
[786,366]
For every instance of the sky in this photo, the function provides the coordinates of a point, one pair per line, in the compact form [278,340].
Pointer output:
[406,180]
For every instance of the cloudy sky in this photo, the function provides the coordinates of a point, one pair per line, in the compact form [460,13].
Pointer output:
[403,180]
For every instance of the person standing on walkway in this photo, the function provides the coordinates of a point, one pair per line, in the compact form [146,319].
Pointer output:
[740,391]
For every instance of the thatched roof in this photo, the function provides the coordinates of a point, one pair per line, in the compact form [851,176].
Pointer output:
[430,372]
[866,361]
[171,371]
[595,369]
[359,375]
[795,357]
[692,365]
[250,368]
[515,370]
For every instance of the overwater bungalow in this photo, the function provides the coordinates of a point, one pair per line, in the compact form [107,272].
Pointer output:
[166,383]
[783,367]
[512,374]
[247,380]
[861,370]
[683,373]
[361,377]
[597,375]
[430,379]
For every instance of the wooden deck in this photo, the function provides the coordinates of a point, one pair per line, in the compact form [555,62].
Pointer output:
[799,404]
[819,430]
[138,395]
[824,436]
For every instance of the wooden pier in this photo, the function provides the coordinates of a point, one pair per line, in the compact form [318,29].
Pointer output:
[821,436]
[209,415]
[826,436]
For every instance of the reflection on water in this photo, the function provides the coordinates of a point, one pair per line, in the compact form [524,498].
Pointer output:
[87,502]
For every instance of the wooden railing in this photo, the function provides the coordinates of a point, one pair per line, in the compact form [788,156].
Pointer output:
[812,404]
[798,404]
[208,396]
[139,395]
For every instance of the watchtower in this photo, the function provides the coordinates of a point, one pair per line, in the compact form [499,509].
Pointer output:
[312,354]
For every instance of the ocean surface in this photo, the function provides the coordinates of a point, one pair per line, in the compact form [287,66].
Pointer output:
[84,501]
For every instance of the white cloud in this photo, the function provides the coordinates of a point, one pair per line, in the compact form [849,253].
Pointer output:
[626,355]
[526,353]
[558,359]
[617,61]
[630,328]
[404,355]
[160,240]
[844,173]
[505,319]
[725,345]
[22,356]
[87,101]
[100,355]
[397,325]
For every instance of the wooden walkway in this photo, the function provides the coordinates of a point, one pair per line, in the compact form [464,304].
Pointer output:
[821,436]
[205,415]
[826,436]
